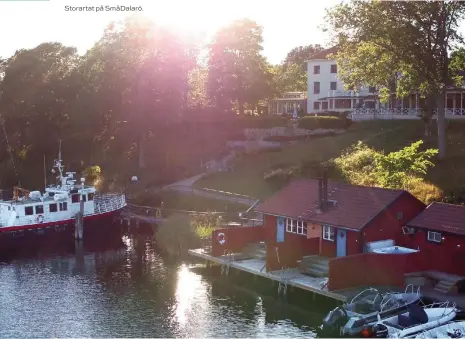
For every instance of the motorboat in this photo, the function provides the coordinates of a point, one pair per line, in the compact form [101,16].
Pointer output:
[455,329]
[365,309]
[416,320]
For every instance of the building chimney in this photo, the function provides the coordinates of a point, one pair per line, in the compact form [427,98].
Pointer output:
[325,188]
[320,193]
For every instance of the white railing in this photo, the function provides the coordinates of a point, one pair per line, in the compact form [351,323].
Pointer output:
[403,111]
[108,202]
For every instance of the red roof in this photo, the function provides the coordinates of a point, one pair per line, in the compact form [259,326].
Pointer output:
[441,217]
[324,54]
[355,205]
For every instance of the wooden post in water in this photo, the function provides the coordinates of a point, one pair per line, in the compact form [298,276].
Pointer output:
[79,226]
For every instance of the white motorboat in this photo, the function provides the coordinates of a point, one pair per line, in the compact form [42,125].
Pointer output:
[454,329]
[365,308]
[416,320]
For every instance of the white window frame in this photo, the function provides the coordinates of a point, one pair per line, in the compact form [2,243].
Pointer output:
[299,225]
[433,236]
[328,233]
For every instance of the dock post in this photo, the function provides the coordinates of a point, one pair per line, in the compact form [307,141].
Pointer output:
[79,221]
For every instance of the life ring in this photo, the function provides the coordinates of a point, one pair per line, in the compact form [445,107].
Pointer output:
[40,219]
[221,238]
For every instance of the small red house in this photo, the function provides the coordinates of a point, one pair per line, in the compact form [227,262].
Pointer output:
[439,233]
[314,217]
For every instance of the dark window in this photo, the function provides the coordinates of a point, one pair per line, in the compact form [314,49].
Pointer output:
[90,196]
[372,89]
[39,209]
[63,206]
[75,198]
[316,87]
[434,236]
[324,105]
[316,69]
[333,68]
[28,210]
[333,86]
[51,194]
[52,207]
[84,198]
[316,105]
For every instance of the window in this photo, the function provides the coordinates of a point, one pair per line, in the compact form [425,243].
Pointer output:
[333,86]
[28,210]
[52,208]
[372,89]
[90,196]
[63,206]
[39,209]
[84,197]
[324,105]
[434,236]
[296,226]
[333,68]
[316,105]
[316,87]
[328,233]
[75,198]
[316,69]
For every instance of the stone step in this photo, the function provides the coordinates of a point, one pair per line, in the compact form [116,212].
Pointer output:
[441,290]
[315,272]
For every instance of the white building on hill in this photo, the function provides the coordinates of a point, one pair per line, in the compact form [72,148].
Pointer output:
[325,93]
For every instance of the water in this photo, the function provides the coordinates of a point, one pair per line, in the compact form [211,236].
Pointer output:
[126,289]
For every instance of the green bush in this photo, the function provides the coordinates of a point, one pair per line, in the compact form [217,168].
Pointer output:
[263,121]
[324,122]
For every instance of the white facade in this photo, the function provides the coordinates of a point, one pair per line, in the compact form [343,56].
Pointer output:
[325,91]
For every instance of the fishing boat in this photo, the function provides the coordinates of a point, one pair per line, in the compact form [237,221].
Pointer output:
[365,309]
[455,329]
[57,207]
[416,320]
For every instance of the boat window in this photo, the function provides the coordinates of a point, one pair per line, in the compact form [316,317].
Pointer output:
[90,196]
[328,232]
[51,194]
[434,236]
[84,198]
[39,209]
[63,206]
[28,210]
[75,198]
[52,207]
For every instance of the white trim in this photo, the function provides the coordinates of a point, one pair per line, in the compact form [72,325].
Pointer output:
[328,233]
[432,236]
[295,226]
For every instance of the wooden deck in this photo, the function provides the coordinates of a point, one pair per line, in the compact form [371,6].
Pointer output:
[292,277]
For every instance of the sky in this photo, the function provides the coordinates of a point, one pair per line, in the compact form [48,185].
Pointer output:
[287,24]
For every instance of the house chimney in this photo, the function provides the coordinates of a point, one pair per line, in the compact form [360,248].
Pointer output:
[320,193]
[325,188]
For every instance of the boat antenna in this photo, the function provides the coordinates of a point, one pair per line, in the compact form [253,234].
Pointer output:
[59,153]
[45,173]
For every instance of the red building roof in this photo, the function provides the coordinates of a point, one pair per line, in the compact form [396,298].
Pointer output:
[441,217]
[324,54]
[354,205]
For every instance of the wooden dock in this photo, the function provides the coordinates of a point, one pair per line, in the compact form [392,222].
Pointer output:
[290,277]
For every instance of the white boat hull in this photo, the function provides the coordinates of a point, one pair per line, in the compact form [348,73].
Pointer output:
[445,331]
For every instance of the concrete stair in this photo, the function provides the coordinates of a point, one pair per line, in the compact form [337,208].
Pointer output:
[256,250]
[314,266]
[444,286]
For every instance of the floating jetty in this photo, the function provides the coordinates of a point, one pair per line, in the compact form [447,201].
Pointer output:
[285,277]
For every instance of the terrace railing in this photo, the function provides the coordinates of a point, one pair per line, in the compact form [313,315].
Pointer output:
[109,202]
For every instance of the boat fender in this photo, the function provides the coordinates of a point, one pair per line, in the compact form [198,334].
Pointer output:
[221,238]
[40,219]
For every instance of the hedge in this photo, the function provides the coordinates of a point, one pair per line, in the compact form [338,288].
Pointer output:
[287,138]
[324,122]
[263,121]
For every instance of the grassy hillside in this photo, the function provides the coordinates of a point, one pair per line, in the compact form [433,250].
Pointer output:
[381,135]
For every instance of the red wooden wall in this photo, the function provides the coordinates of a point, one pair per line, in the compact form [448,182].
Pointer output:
[371,269]
[447,256]
[236,238]
[294,247]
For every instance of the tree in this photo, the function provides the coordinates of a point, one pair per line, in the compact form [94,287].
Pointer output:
[405,40]
[238,73]
[299,56]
